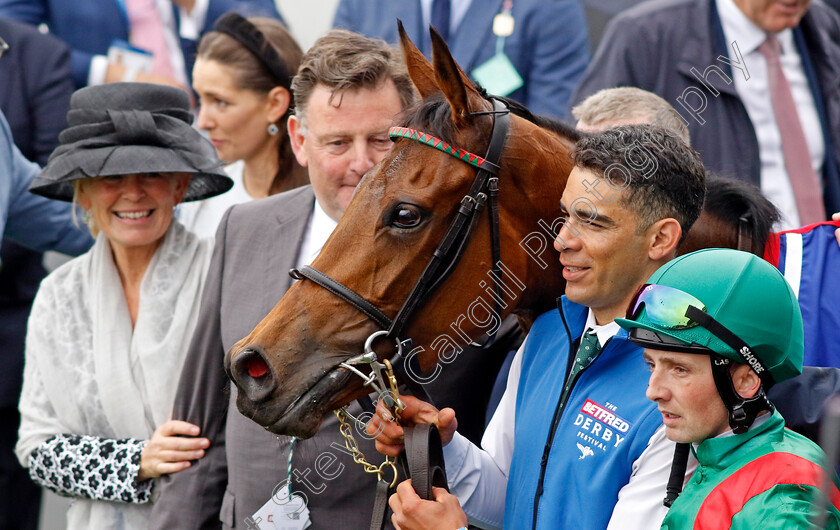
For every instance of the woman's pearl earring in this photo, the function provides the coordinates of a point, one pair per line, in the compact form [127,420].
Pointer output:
[273,129]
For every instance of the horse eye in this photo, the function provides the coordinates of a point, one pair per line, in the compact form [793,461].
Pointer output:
[406,216]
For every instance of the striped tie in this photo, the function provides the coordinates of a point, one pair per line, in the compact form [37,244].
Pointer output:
[807,188]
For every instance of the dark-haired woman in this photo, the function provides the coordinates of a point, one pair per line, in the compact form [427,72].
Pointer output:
[242,76]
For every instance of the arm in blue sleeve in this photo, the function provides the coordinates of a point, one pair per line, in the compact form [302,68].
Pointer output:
[33,221]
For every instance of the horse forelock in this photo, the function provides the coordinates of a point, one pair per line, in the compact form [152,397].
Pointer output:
[432,115]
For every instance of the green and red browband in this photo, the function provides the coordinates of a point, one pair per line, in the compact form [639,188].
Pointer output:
[437,143]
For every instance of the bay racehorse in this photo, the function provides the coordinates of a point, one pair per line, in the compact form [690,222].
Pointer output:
[287,369]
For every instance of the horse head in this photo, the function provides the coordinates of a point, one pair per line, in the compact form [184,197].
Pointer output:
[287,370]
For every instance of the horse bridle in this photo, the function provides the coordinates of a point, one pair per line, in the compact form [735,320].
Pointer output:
[423,457]
[485,188]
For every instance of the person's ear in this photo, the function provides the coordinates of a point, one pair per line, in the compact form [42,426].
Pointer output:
[297,137]
[182,182]
[277,104]
[663,237]
[745,380]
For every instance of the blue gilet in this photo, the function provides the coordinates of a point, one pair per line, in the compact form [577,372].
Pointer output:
[590,445]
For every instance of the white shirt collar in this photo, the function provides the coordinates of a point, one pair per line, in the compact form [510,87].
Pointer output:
[320,227]
[738,27]
[604,332]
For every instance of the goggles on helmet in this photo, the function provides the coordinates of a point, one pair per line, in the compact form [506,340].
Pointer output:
[672,309]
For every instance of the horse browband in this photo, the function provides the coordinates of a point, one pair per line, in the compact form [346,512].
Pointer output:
[485,185]
[440,145]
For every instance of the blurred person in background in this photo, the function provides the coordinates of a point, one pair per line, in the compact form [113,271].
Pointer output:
[165,32]
[242,76]
[108,330]
[533,51]
[756,82]
[34,96]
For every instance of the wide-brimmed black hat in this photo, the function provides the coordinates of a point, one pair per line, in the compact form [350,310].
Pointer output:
[127,128]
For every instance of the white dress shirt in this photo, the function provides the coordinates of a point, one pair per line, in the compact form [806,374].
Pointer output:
[478,476]
[318,231]
[755,94]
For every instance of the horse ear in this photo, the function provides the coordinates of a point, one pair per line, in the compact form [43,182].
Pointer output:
[419,68]
[455,84]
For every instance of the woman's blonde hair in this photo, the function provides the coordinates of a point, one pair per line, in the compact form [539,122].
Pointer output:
[87,219]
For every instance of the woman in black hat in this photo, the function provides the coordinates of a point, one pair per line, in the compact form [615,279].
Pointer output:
[109,330]
[242,76]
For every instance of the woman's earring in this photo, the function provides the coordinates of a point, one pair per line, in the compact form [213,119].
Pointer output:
[273,129]
[86,217]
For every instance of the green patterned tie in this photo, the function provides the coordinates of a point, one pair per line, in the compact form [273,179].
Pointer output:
[588,351]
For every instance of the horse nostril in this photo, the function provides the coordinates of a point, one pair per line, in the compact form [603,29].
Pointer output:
[252,374]
[256,366]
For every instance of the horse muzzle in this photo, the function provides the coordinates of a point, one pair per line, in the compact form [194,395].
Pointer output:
[288,409]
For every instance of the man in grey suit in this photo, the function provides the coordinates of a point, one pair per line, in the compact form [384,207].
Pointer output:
[347,91]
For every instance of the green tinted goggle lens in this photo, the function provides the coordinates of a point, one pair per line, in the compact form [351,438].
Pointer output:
[664,306]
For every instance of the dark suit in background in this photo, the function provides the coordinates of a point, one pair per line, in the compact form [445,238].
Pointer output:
[35,89]
[35,96]
[599,13]
[90,26]
[652,47]
[548,46]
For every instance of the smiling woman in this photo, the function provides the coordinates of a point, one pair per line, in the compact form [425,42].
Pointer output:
[108,331]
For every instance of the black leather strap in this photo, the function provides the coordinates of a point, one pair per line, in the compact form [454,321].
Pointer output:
[342,292]
[678,467]
[380,505]
[424,457]
[462,226]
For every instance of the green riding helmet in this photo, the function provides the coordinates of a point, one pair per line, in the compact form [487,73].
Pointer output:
[741,291]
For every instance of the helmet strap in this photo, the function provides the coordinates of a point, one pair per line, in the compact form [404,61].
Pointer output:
[742,411]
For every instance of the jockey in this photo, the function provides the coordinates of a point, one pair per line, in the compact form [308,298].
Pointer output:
[719,328]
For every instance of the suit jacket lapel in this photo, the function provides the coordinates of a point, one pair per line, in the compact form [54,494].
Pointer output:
[475,32]
[292,221]
[704,43]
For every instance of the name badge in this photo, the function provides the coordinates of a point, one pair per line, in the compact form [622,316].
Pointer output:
[498,75]
[131,57]
[503,25]
[282,512]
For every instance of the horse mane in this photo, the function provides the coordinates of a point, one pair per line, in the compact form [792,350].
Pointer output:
[729,200]
[434,116]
